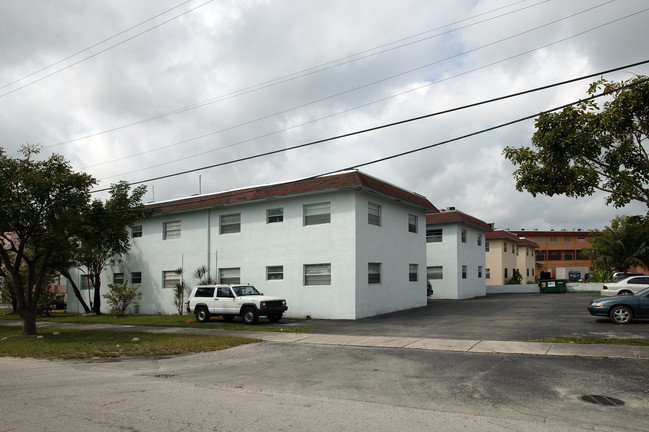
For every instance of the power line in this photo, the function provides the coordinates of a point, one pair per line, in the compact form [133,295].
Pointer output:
[310,71]
[350,90]
[93,45]
[311,143]
[103,51]
[397,155]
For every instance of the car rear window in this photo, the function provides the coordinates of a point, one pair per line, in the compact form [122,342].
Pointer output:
[205,292]
[639,280]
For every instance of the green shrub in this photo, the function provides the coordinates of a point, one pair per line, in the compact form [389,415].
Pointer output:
[120,296]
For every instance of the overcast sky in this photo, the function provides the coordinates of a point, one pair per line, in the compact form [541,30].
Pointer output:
[201,82]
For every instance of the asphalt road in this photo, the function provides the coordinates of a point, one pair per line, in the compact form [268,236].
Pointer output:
[507,317]
[308,387]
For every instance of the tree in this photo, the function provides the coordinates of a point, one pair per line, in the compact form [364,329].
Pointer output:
[180,291]
[623,245]
[583,148]
[104,236]
[516,278]
[43,205]
[203,276]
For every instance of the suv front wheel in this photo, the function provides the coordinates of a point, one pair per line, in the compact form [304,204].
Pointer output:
[250,315]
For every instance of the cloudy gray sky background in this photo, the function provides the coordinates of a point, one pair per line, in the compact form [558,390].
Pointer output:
[231,79]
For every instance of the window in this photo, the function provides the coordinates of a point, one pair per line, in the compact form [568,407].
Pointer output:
[224,292]
[540,255]
[315,214]
[528,272]
[204,292]
[275,215]
[479,271]
[171,230]
[532,272]
[487,273]
[568,239]
[581,239]
[554,255]
[413,270]
[118,278]
[230,224]
[463,272]
[274,272]
[136,231]
[85,282]
[412,223]
[539,239]
[505,246]
[373,214]
[433,236]
[516,250]
[527,252]
[553,239]
[317,274]
[374,273]
[170,278]
[486,246]
[463,236]
[230,275]
[581,255]
[567,255]
[435,272]
[505,273]
[479,239]
[136,278]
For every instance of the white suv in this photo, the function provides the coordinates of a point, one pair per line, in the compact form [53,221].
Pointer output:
[234,300]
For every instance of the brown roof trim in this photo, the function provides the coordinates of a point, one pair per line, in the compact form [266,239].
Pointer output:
[456,216]
[351,179]
[508,235]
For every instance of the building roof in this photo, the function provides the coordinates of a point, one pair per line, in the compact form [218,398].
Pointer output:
[456,216]
[346,180]
[552,233]
[507,235]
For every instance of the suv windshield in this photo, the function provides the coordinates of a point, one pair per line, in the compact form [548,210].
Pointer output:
[245,290]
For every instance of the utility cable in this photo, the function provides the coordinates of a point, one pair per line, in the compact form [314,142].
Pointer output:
[306,72]
[311,143]
[93,45]
[103,51]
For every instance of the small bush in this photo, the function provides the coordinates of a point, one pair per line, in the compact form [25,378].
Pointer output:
[120,296]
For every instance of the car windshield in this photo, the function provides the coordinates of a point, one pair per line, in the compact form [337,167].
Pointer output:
[245,290]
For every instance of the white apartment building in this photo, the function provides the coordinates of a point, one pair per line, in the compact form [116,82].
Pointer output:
[344,246]
[456,254]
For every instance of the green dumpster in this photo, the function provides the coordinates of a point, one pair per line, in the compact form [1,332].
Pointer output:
[552,286]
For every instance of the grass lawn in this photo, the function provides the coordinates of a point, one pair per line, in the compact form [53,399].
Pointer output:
[90,344]
[592,340]
[159,321]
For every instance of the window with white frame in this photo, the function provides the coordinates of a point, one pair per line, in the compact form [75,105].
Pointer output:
[373,214]
[118,278]
[171,230]
[413,272]
[230,275]
[170,278]
[319,213]
[434,235]
[275,215]
[505,273]
[479,271]
[463,234]
[487,273]
[86,284]
[412,223]
[317,274]
[479,239]
[136,278]
[435,272]
[230,223]
[274,272]
[463,272]
[136,231]
[374,273]
[486,246]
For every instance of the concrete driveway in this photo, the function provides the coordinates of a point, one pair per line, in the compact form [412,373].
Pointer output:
[505,317]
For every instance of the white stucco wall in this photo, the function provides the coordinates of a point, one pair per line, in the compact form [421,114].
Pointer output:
[452,254]
[348,243]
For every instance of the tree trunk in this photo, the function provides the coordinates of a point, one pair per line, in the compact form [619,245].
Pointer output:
[77,293]
[97,301]
[27,321]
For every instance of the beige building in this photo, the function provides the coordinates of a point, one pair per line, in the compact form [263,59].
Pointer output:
[506,252]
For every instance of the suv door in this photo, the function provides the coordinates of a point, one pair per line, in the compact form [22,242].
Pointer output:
[225,301]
